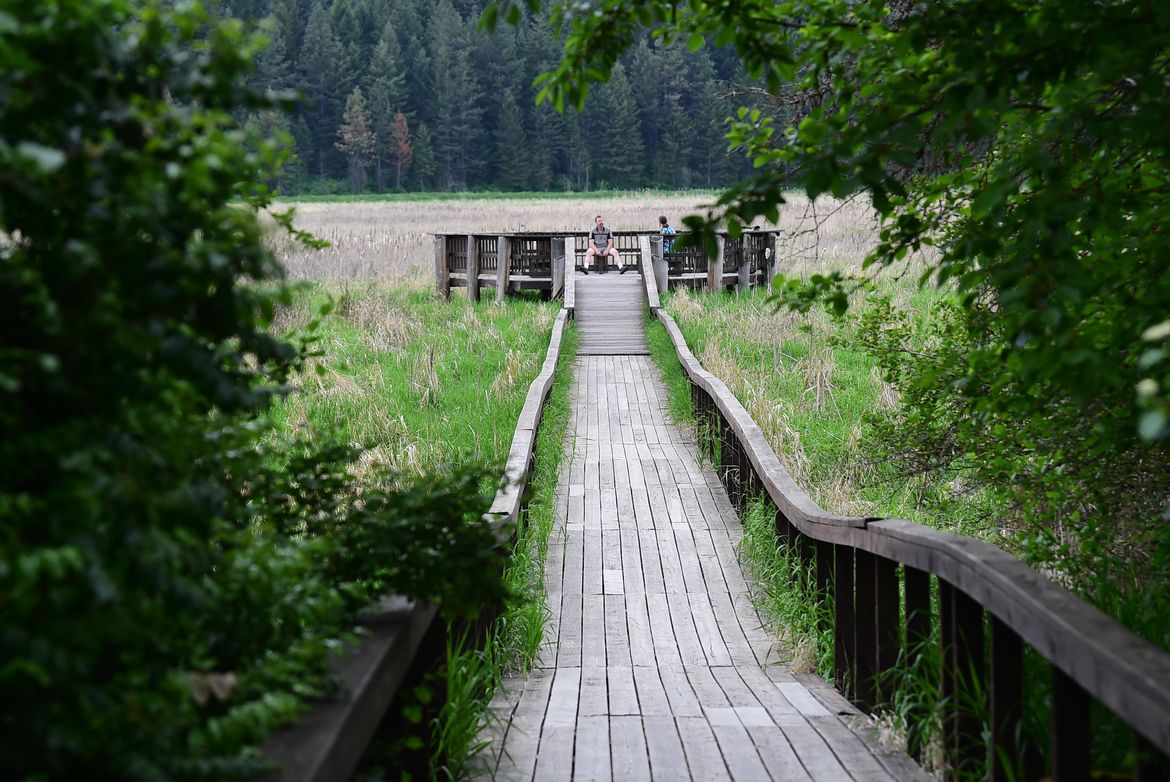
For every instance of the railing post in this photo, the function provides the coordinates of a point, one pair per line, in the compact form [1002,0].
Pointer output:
[824,560]
[744,281]
[715,267]
[503,266]
[865,647]
[658,264]
[885,589]
[843,621]
[918,632]
[442,269]
[569,244]
[963,675]
[773,266]
[558,267]
[1007,652]
[1071,740]
[472,269]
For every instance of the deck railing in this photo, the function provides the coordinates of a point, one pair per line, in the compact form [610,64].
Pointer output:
[539,261]
[879,580]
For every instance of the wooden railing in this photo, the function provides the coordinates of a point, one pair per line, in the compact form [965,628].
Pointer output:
[874,578]
[399,636]
[534,261]
[540,261]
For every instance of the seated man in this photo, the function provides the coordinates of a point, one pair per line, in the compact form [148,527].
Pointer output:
[601,246]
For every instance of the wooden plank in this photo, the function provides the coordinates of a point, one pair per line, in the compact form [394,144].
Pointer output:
[442,271]
[701,748]
[594,697]
[617,638]
[715,268]
[648,273]
[503,264]
[592,630]
[472,269]
[743,761]
[628,748]
[623,695]
[652,698]
[668,762]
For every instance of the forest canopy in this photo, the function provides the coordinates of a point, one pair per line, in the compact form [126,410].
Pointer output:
[445,107]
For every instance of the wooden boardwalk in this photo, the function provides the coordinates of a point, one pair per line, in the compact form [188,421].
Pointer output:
[656,665]
[609,314]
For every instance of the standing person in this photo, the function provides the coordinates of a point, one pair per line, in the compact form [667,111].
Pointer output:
[601,246]
[668,234]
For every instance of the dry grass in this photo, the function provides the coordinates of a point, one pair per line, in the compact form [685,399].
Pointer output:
[392,240]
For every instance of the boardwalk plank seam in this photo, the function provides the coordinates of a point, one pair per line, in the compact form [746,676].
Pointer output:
[663,667]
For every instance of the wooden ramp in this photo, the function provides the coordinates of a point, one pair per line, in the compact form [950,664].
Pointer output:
[655,664]
[609,314]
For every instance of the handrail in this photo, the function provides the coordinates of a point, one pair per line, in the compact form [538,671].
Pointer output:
[570,275]
[326,744]
[648,283]
[1091,652]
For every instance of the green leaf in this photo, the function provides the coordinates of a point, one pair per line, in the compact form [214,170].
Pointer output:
[695,41]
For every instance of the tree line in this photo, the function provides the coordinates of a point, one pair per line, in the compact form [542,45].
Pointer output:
[411,95]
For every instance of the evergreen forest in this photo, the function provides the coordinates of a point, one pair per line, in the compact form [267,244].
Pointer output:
[411,95]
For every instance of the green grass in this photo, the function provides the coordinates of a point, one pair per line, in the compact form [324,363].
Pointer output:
[416,381]
[810,389]
[420,383]
[678,388]
[471,674]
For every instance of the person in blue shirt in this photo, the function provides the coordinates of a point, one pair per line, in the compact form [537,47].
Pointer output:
[668,234]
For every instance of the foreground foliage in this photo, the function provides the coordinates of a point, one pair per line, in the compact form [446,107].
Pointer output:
[171,580]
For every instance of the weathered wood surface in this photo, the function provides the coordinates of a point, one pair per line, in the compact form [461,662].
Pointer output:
[609,314]
[655,663]
[648,273]
[1123,671]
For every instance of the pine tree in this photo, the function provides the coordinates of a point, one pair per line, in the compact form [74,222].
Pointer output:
[317,70]
[511,146]
[386,95]
[457,116]
[356,139]
[613,135]
[424,164]
[400,150]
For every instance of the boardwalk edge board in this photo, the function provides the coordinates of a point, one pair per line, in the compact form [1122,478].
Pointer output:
[1126,673]
[328,741]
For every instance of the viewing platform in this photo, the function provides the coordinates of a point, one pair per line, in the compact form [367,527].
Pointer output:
[537,261]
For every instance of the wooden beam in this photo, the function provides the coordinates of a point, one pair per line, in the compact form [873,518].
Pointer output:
[472,270]
[570,245]
[442,270]
[645,245]
[503,253]
[658,264]
[715,268]
[558,266]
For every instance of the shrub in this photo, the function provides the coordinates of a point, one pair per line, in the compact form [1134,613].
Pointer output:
[170,580]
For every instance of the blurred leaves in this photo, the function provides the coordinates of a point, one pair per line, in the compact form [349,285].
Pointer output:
[172,579]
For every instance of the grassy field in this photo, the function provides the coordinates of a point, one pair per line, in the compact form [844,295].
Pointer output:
[392,239]
[415,381]
[419,383]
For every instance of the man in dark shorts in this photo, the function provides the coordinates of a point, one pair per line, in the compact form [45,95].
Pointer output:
[601,246]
